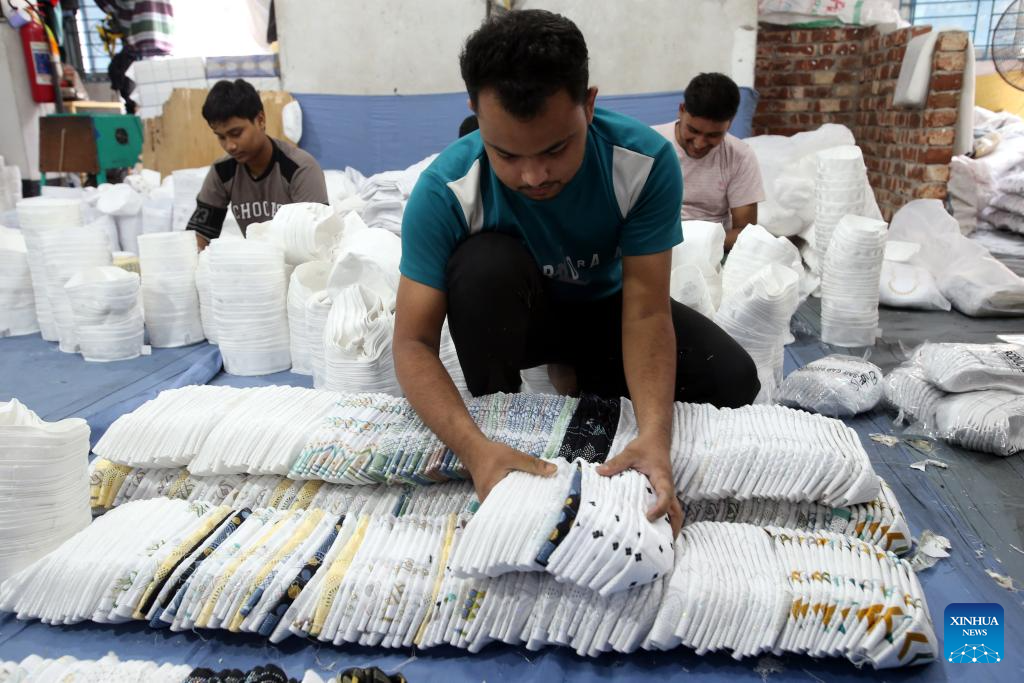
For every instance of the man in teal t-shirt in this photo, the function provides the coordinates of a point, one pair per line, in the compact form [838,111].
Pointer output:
[546,237]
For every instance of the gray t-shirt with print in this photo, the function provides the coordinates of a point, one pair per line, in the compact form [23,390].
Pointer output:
[293,176]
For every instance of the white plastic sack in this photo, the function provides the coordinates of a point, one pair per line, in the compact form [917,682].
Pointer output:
[905,285]
[986,421]
[973,367]
[836,385]
[974,282]
[291,121]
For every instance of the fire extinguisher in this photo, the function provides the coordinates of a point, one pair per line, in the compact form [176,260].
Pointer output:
[38,61]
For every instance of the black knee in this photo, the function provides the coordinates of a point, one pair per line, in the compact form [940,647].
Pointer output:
[490,265]
[738,381]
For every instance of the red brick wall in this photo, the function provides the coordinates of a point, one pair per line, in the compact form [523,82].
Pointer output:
[847,75]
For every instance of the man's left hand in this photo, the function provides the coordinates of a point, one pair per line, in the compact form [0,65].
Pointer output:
[653,461]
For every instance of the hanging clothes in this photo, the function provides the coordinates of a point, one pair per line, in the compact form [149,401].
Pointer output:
[148,24]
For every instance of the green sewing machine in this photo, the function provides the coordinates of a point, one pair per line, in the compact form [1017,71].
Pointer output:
[89,143]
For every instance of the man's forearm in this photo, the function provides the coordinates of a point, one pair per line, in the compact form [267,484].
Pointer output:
[433,395]
[649,360]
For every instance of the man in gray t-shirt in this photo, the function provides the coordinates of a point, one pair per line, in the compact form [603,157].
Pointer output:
[258,175]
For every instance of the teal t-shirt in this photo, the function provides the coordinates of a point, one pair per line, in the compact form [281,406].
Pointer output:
[624,201]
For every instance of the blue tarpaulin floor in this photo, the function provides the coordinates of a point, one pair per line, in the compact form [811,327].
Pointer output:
[977,503]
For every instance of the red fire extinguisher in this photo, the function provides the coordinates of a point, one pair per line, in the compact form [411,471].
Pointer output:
[38,62]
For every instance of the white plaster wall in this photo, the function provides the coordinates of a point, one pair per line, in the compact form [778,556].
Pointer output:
[658,45]
[19,115]
[369,47]
[412,47]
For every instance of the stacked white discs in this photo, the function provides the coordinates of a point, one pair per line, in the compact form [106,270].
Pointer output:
[839,191]
[205,297]
[170,301]
[67,251]
[186,184]
[36,216]
[44,484]
[757,317]
[306,280]
[849,282]
[17,301]
[249,286]
[318,307]
[107,310]
[357,344]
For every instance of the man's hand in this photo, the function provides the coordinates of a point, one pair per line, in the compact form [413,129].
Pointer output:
[730,238]
[654,462]
[493,461]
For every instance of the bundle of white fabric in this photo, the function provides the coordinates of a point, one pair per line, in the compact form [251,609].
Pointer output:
[107,308]
[357,344]
[168,263]
[35,669]
[44,484]
[17,301]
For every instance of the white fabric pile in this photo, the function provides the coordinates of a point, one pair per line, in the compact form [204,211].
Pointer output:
[988,191]
[44,484]
[122,203]
[35,669]
[385,195]
[755,249]
[757,316]
[766,452]
[303,231]
[789,168]
[306,280]
[17,299]
[850,282]
[186,184]
[333,571]
[106,303]
[837,386]
[580,527]
[971,395]
[699,254]
[68,251]
[10,186]
[966,273]
[249,287]
[218,429]
[752,611]
[170,301]
[37,216]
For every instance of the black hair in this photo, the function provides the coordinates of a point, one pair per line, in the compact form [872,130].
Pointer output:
[526,56]
[712,96]
[232,98]
[468,125]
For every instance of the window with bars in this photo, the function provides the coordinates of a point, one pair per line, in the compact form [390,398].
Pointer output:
[95,59]
[977,17]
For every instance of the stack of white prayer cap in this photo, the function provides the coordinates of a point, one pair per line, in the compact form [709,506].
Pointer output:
[170,301]
[839,190]
[250,285]
[205,296]
[69,250]
[306,280]
[849,282]
[305,231]
[35,217]
[756,248]
[357,344]
[44,484]
[106,305]
[757,317]
[450,360]
[17,301]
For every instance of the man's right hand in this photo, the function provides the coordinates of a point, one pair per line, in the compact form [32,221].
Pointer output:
[492,461]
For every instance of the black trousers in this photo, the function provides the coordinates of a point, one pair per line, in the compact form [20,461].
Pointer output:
[503,319]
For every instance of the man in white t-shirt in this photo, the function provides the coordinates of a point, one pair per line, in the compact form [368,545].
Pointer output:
[721,178]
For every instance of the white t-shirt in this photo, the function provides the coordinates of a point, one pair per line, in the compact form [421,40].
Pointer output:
[726,178]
